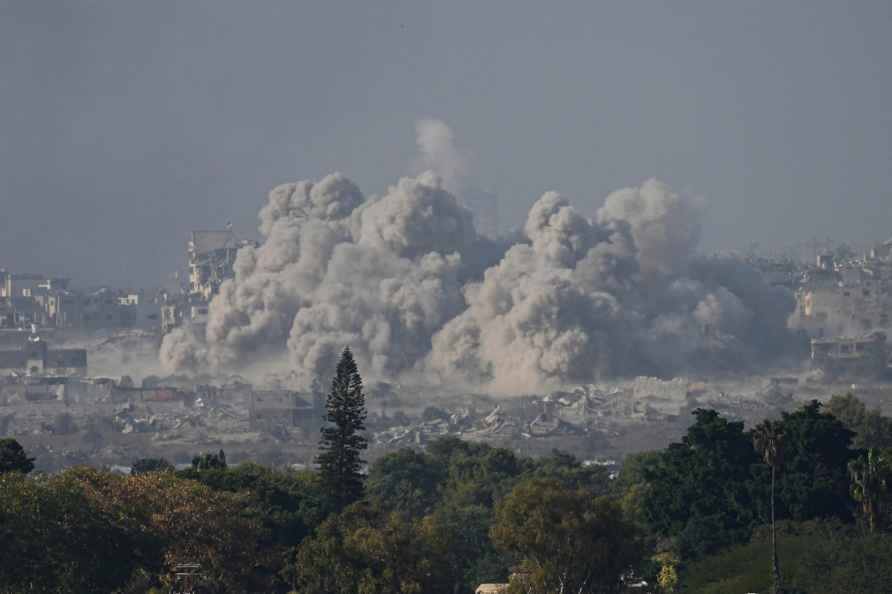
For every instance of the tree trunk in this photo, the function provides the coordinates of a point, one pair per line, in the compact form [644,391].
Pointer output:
[775,566]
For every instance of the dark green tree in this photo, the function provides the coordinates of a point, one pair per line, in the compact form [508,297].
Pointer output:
[700,489]
[871,428]
[564,539]
[209,461]
[13,457]
[814,478]
[144,465]
[342,441]
[407,481]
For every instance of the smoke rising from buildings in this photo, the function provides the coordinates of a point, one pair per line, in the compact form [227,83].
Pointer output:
[438,153]
[410,285]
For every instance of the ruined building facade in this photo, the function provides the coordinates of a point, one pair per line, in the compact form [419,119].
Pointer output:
[35,358]
[210,259]
[865,356]
[46,302]
[850,298]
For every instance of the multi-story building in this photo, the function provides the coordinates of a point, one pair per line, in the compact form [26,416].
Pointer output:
[847,299]
[35,358]
[211,256]
[864,356]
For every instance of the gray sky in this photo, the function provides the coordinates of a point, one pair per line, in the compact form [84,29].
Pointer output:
[124,124]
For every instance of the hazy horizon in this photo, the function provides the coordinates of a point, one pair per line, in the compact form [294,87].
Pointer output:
[126,125]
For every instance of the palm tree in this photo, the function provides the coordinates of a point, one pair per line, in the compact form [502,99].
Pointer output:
[768,439]
[868,485]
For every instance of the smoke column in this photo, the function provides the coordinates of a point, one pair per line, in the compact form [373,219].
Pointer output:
[409,284]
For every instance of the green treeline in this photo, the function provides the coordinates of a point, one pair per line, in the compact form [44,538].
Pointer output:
[694,517]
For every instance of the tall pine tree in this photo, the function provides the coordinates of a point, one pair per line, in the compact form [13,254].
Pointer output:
[342,441]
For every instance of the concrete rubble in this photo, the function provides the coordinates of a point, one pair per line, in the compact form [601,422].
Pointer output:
[112,422]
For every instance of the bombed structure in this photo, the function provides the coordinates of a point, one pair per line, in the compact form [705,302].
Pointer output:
[598,335]
[861,357]
[52,304]
[851,297]
[35,358]
[211,257]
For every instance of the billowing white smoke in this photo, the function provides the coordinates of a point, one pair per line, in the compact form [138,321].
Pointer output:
[406,281]
[438,153]
[380,275]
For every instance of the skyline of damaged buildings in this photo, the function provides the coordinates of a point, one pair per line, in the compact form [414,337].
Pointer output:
[844,307]
[210,259]
[68,414]
[843,304]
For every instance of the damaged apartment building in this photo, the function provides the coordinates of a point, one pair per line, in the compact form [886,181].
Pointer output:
[851,298]
[211,256]
[34,358]
[50,303]
[864,356]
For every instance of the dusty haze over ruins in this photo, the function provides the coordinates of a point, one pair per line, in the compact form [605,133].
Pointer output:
[540,228]
[420,295]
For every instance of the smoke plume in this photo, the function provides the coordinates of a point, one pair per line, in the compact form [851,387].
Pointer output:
[408,283]
[438,153]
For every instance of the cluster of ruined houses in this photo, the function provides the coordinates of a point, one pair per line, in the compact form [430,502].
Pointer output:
[31,356]
[173,409]
[46,302]
[844,306]
[50,303]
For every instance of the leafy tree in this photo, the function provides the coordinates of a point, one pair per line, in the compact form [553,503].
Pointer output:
[208,461]
[192,523]
[52,539]
[406,480]
[144,465]
[768,439]
[565,540]
[814,479]
[284,505]
[479,474]
[824,557]
[364,549]
[342,441]
[571,473]
[700,489]
[459,538]
[13,457]
[630,485]
[871,428]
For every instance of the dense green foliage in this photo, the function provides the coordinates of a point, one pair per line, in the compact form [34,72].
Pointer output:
[701,489]
[712,488]
[209,460]
[144,465]
[693,517]
[53,540]
[872,430]
[819,558]
[13,457]
[563,539]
